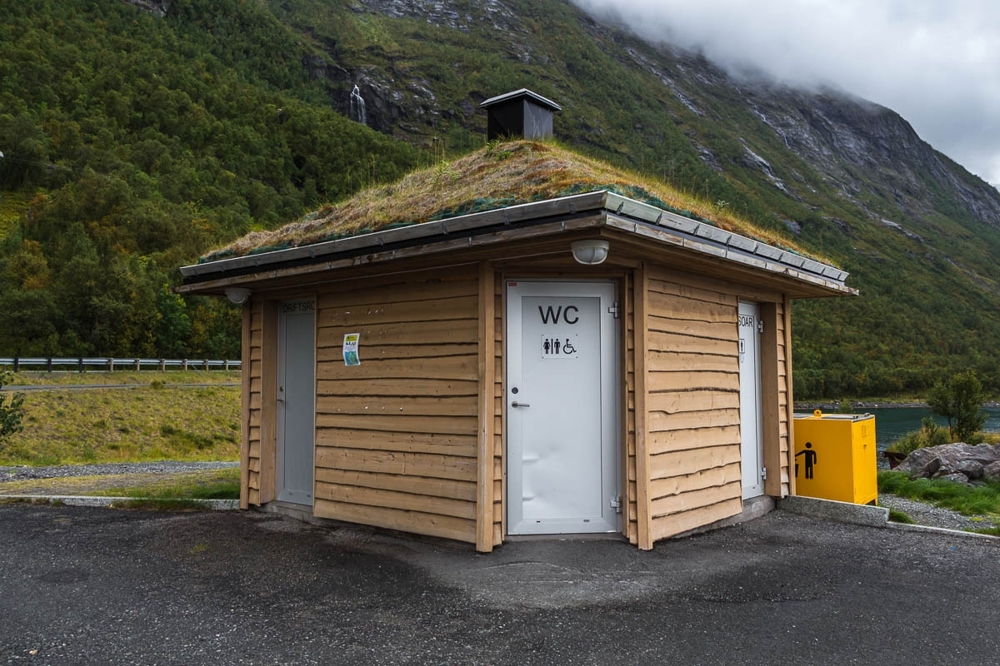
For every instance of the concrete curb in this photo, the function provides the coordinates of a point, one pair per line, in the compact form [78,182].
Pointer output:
[905,527]
[862,514]
[117,502]
[841,512]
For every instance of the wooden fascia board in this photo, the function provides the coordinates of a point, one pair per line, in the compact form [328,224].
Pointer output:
[702,249]
[462,243]
[677,252]
[461,225]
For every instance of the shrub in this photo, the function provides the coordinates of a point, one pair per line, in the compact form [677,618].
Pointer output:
[930,434]
[959,400]
[11,409]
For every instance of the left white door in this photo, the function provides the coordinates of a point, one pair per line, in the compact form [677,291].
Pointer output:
[296,406]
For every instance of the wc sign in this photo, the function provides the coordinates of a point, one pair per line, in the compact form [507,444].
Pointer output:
[555,343]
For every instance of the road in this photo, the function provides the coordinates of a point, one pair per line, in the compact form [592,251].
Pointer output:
[94,586]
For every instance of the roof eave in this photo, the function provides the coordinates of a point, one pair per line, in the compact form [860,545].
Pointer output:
[620,213]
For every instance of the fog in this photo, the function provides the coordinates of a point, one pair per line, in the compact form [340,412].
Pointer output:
[935,62]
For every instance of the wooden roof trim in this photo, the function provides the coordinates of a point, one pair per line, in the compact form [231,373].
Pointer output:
[630,208]
[218,286]
[729,254]
[569,205]
[618,212]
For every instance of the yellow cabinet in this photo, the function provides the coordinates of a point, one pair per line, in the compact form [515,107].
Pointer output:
[835,457]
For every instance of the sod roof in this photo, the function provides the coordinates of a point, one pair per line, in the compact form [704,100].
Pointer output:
[496,176]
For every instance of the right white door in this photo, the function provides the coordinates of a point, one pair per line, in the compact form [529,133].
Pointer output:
[751,449]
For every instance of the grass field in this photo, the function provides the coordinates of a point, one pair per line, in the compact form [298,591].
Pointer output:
[981,500]
[214,484]
[156,420]
[126,378]
[200,484]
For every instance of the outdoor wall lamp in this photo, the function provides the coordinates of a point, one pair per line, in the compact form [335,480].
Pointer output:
[238,295]
[590,252]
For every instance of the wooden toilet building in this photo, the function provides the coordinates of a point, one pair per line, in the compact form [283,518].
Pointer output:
[581,363]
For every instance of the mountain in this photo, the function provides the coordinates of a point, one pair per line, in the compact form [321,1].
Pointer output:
[249,101]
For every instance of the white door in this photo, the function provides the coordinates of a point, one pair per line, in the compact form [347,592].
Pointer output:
[752,452]
[562,408]
[296,401]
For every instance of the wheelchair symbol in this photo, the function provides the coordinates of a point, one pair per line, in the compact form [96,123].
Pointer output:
[568,348]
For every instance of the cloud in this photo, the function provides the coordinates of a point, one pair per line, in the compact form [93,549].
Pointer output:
[936,63]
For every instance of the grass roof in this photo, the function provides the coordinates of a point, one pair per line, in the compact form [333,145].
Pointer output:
[496,176]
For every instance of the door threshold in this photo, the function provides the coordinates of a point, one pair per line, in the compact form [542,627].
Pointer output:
[583,536]
[290,509]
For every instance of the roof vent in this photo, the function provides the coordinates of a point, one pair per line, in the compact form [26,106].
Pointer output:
[519,114]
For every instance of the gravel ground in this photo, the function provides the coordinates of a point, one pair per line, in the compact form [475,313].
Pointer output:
[930,515]
[24,472]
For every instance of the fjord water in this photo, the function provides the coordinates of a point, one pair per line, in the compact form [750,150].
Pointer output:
[891,423]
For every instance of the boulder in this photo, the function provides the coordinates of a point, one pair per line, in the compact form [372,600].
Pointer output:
[948,459]
[991,472]
[957,477]
[971,468]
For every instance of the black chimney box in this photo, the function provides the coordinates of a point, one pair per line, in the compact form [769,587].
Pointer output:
[519,114]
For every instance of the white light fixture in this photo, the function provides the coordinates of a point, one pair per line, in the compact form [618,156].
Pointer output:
[590,252]
[238,295]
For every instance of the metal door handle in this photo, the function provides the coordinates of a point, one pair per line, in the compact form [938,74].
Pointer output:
[519,404]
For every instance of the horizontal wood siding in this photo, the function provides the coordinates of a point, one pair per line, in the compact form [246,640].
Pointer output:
[692,404]
[396,437]
[252,382]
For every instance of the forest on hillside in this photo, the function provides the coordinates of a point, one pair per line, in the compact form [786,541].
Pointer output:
[131,145]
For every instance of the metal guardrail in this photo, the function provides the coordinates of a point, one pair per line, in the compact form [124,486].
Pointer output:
[108,363]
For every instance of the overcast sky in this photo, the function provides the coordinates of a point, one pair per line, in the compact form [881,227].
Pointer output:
[935,62]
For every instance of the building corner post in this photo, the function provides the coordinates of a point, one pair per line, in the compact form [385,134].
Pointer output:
[487,409]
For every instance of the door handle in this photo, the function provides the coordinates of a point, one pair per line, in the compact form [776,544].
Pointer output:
[519,404]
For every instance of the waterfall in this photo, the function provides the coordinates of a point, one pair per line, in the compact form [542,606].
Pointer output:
[357,112]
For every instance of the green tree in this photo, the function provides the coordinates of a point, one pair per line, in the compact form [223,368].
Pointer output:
[959,400]
[11,409]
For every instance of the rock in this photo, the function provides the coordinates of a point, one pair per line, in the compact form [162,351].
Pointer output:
[156,7]
[991,472]
[948,459]
[971,468]
[957,477]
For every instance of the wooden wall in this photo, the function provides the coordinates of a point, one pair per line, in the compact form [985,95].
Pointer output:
[396,437]
[253,331]
[692,404]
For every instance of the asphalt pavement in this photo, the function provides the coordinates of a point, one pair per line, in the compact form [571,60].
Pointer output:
[98,586]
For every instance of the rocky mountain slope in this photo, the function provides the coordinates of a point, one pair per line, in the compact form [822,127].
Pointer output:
[847,177]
